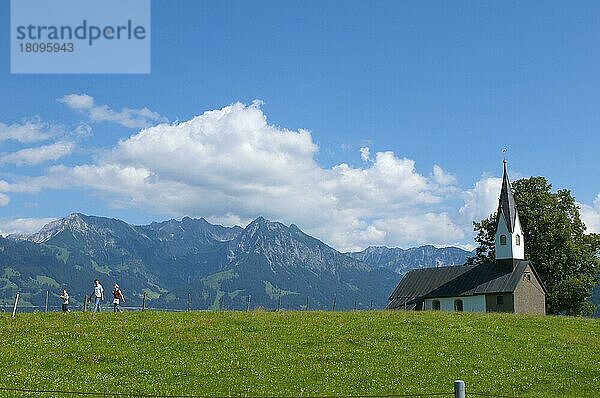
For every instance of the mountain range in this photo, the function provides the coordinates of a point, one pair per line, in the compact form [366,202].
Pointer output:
[266,264]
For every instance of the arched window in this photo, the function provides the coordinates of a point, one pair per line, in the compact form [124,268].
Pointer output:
[458,305]
[503,240]
[518,239]
[435,305]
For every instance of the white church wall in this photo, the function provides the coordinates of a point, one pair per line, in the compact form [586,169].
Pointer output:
[518,250]
[511,249]
[503,251]
[470,303]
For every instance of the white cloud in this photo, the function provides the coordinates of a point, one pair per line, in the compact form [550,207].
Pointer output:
[22,225]
[29,131]
[443,178]
[37,155]
[428,228]
[590,215]
[230,164]
[26,184]
[365,154]
[482,200]
[4,200]
[77,101]
[133,118]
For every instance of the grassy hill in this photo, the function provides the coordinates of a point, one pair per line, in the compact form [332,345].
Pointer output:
[300,353]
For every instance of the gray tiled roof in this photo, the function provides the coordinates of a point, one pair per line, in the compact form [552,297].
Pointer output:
[463,280]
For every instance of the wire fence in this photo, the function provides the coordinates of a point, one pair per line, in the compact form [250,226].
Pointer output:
[142,395]
[145,303]
[456,393]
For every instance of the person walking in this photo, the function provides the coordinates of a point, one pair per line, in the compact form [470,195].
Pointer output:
[65,299]
[117,297]
[98,295]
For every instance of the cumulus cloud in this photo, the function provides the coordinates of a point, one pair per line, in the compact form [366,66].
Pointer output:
[230,164]
[590,215]
[29,131]
[443,178]
[427,228]
[24,226]
[133,118]
[482,200]
[37,155]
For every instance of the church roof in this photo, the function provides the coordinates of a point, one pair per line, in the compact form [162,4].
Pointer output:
[507,207]
[463,280]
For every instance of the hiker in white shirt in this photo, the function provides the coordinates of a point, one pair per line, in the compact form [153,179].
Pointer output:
[98,295]
[65,299]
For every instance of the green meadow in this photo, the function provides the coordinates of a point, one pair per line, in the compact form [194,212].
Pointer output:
[294,354]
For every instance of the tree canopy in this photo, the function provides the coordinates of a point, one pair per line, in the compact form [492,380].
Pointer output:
[566,258]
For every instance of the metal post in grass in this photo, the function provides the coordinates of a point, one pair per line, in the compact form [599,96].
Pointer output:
[189,302]
[459,389]
[354,304]
[85,301]
[307,302]
[46,305]
[144,302]
[15,307]
[248,303]
[334,300]
[371,305]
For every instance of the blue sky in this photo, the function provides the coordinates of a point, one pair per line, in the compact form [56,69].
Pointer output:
[262,107]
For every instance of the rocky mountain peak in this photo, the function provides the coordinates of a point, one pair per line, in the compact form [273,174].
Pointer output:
[288,247]
[74,221]
[401,260]
[192,229]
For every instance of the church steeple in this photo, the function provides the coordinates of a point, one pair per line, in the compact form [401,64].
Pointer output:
[509,236]
[507,205]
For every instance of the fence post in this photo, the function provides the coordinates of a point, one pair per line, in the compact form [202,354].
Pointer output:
[189,302]
[459,389]
[85,301]
[354,304]
[307,302]
[279,303]
[334,300]
[15,307]
[144,302]
[46,305]
[248,304]
[371,305]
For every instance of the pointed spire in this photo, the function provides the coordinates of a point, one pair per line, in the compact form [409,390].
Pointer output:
[507,207]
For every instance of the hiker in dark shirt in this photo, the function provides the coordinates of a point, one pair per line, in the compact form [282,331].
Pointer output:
[117,297]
